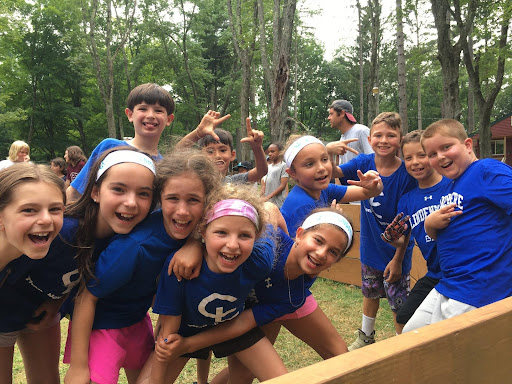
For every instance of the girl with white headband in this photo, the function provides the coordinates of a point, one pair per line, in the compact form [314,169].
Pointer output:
[110,327]
[119,195]
[323,239]
[309,164]
[233,263]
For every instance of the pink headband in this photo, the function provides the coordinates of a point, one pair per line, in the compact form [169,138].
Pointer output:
[233,207]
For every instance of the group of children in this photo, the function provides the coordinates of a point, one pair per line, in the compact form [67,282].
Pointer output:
[221,267]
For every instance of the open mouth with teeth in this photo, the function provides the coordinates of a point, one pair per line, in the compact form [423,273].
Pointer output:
[39,238]
[447,165]
[124,217]
[180,225]
[312,263]
[228,259]
[323,178]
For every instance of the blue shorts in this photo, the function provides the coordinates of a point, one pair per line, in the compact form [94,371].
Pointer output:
[375,287]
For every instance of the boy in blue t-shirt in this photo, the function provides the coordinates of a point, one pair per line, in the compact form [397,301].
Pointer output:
[150,108]
[472,228]
[418,204]
[384,268]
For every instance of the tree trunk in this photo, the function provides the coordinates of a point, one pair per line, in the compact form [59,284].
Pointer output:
[402,88]
[418,68]
[449,57]
[485,104]
[277,73]
[361,62]
[373,98]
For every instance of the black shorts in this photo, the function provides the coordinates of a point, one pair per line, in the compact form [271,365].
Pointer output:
[229,347]
[418,293]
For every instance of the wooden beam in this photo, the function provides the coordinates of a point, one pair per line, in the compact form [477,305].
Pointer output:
[471,348]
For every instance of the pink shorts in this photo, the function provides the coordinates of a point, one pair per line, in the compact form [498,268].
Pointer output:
[113,349]
[307,309]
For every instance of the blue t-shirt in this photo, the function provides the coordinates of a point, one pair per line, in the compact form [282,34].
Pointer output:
[212,297]
[475,249]
[32,282]
[275,295]
[299,204]
[80,181]
[378,212]
[419,203]
[127,272]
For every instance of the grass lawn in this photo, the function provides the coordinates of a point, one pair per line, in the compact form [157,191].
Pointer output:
[341,303]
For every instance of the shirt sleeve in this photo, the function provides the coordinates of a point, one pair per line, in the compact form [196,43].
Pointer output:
[498,181]
[169,294]
[363,140]
[259,264]
[115,266]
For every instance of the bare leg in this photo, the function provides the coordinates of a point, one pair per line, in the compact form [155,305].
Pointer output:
[370,307]
[132,375]
[174,369]
[203,369]
[317,331]
[41,353]
[223,376]
[6,355]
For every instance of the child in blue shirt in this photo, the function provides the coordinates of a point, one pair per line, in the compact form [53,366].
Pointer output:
[113,304]
[418,204]
[385,270]
[231,268]
[150,108]
[475,207]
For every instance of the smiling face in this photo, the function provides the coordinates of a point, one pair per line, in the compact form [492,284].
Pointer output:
[384,140]
[318,248]
[32,220]
[221,155]
[124,197]
[448,155]
[417,163]
[312,169]
[229,241]
[149,119]
[182,198]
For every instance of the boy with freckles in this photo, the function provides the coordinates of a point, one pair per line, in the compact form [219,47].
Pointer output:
[472,228]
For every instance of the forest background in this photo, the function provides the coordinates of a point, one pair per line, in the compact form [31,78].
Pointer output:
[66,66]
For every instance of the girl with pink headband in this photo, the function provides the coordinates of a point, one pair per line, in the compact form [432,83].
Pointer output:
[323,239]
[233,263]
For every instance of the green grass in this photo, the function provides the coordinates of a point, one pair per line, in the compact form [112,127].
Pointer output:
[341,303]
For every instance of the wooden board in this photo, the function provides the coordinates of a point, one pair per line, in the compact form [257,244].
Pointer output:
[473,348]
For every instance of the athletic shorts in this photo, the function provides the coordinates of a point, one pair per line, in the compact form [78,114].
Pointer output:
[375,287]
[418,293]
[229,347]
[308,308]
[113,349]
[8,339]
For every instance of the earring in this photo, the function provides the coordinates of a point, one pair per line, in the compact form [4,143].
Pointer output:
[202,240]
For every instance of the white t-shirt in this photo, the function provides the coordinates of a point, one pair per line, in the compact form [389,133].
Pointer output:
[361,133]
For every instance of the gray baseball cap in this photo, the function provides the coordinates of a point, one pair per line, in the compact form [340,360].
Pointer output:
[344,105]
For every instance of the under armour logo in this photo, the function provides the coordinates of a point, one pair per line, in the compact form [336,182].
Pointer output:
[219,314]
[269,284]
[428,197]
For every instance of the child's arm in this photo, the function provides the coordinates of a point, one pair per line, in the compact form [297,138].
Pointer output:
[168,325]
[278,190]
[186,262]
[440,219]
[393,270]
[340,147]
[369,185]
[48,310]
[83,318]
[174,345]
[209,122]
[255,140]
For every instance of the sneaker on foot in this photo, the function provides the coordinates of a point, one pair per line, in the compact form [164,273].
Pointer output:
[362,340]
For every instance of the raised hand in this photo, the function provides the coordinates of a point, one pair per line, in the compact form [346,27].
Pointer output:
[209,122]
[254,137]
[396,229]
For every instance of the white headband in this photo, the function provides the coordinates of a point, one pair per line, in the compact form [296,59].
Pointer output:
[125,156]
[297,146]
[328,217]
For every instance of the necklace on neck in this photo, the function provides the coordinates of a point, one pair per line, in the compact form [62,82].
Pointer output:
[290,292]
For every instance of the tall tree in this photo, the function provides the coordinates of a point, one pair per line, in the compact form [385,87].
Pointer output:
[487,69]
[244,41]
[402,86]
[449,57]
[374,10]
[107,36]
[277,70]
